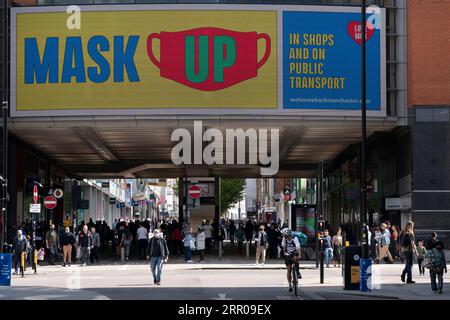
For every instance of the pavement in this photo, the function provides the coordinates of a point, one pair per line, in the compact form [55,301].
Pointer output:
[227,279]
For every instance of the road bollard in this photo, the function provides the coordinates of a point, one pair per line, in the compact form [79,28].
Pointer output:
[247,249]
[220,249]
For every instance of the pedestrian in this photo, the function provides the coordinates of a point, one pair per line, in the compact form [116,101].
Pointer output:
[240,236]
[96,243]
[52,243]
[248,231]
[337,248]
[125,242]
[142,238]
[408,246]
[187,243]
[261,245]
[208,234]
[201,241]
[432,242]
[67,242]
[438,267]
[19,248]
[328,250]
[421,250]
[232,231]
[273,241]
[384,240]
[85,244]
[394,242]
[158,253]
[177,237]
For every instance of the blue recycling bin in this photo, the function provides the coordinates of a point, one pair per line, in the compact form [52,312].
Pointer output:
[365,283]
[5,269]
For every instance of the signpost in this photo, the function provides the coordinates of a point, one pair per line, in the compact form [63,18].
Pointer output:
[50,202]
[194,192]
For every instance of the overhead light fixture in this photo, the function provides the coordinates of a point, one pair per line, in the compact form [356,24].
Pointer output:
[91,137]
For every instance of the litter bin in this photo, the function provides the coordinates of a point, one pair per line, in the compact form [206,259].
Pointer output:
[352,255]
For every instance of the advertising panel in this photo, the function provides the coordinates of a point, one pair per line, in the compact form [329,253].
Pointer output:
[194,59]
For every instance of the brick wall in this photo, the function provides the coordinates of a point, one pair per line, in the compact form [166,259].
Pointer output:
[428,52]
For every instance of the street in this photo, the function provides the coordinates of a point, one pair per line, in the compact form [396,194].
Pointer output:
[219,281]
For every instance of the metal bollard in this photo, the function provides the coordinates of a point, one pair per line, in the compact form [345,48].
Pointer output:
[247,249]
[220,249]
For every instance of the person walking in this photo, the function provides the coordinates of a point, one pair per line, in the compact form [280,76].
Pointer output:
[96,243]
[52,243]
[201,241]
[188,238]
[438,268]
[384,240]
[273,241]
[85,244]
[126,240]
[240,236]
[67,242]
[328,250]
[158,253]
[432,242]
[261,245]
[208,234]
[232,231]
[142,238]
[421,250]
[177,237]
[337,248]
[394,242]
[19,248]
[408,247]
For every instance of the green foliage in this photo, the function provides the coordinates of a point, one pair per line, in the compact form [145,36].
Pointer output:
[232,192]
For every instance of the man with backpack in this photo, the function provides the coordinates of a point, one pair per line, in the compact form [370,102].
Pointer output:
[436,262]
[85,244]
[292,253]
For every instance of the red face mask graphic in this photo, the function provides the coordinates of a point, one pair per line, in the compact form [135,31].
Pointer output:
[208,59]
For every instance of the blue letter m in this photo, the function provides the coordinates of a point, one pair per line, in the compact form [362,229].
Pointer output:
[49,63]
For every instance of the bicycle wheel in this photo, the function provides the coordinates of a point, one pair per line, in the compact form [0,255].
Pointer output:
[294,279]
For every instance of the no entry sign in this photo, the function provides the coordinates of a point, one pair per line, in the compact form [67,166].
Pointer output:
[50,202]
[35,194]
[194,192]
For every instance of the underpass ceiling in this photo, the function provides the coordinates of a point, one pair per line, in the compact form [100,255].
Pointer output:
[142,147]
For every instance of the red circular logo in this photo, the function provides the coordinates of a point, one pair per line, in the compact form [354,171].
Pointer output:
[50,202]
[194,192]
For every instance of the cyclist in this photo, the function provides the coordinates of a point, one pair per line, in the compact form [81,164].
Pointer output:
[292,253]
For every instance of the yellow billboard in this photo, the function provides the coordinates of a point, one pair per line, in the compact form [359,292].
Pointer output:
[146,59]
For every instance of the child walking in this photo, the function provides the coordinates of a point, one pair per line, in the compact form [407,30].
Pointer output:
[421,250]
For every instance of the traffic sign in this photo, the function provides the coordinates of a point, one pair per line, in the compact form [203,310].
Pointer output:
[50,202]
[195,192]
[58,193]
[35,194]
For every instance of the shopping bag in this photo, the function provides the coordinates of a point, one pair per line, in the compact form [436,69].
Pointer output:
[78,253]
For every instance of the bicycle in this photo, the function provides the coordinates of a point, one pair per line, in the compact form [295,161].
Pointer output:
[295,276]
